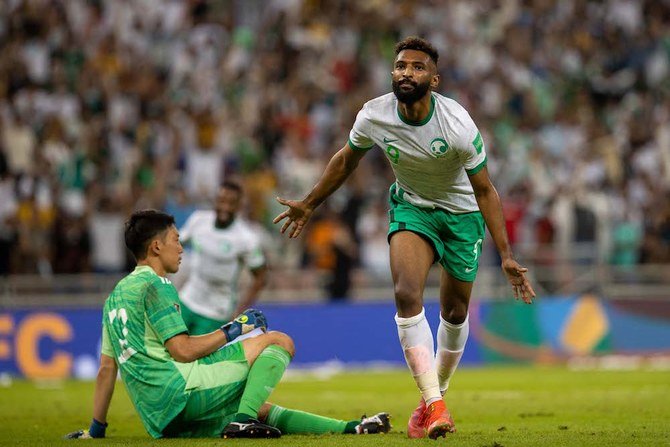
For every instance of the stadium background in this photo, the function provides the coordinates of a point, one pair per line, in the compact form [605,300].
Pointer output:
[110,106]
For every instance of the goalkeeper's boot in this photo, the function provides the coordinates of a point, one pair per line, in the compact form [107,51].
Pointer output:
[437,420]
[79,434]
[252,428]
[415,424]
[379,423]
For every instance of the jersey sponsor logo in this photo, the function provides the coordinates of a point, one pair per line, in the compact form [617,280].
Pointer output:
[439,147]
[390,140]
[165,280]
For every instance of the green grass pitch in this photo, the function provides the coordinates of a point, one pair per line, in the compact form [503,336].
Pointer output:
[493,407]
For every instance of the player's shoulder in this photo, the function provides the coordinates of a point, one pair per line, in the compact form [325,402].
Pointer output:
[380,104]
[245,229]
[454,114]
[202,215]
[449,104]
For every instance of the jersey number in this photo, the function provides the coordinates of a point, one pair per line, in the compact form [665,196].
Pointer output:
[122,316]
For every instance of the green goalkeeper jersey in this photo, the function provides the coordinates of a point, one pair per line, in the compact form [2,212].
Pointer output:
[140,314]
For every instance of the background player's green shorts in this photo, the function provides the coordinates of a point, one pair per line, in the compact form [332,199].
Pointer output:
[198,324]
[456,238]
[216,384]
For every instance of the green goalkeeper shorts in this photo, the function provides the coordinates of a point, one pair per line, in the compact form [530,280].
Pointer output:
[198,324]
[216,384]
[456,238]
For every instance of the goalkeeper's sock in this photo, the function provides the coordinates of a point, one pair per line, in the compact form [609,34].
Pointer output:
[265,373]
[300,422]
[416,340]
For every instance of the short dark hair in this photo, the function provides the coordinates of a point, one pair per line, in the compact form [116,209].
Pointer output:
[232,184]
[142,227]
[419,44]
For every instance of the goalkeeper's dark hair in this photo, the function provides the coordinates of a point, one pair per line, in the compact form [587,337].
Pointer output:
[142,227]
[418,44]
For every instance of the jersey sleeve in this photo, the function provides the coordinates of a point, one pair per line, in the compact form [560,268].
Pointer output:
[162,308]
[106,345]
[360,135]
[470,145]
[253,256]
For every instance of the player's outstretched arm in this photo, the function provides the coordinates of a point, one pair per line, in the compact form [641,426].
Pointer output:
[491,208]
[102,397]
[340,166]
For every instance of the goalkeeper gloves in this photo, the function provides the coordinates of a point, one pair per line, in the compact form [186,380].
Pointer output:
[245,322]
[96,430]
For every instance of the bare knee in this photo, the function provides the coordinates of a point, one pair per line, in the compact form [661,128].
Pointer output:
[455,313]
[282,340]
[408,299]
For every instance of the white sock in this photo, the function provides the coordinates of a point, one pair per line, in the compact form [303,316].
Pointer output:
[451,340]
[416,341]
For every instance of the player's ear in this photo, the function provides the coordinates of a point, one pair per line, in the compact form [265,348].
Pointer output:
[435,81]
[155,246]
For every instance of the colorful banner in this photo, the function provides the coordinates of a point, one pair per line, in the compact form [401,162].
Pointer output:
[61,343]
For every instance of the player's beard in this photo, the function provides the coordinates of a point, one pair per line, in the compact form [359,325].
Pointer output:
[409,97]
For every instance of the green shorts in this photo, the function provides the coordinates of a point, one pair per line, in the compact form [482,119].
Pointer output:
[456,238]
[197,324]
[216,384]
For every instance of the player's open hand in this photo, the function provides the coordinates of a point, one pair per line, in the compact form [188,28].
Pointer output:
[297,215]
[516,275]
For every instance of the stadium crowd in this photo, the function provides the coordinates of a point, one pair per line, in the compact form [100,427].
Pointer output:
[112,105]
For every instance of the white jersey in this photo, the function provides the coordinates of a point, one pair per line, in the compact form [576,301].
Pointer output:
[218,256]
[431,159]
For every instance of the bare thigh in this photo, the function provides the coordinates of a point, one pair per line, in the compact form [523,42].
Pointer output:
[411,258]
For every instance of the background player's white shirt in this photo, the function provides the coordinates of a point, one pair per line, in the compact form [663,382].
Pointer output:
[432,159]
[216,261]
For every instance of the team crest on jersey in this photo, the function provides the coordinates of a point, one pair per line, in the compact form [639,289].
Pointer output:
[439,147]
[177,307]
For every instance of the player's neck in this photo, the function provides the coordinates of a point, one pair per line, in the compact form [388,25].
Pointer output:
[222,225]
[154,264]
[417,111]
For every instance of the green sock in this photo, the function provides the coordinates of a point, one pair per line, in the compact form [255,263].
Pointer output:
[265,373]
[300,422]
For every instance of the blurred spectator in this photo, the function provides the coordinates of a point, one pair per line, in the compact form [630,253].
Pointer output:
[154,103]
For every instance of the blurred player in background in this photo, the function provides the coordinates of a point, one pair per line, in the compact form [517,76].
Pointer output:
[222,243]
[440,203]
[192,386]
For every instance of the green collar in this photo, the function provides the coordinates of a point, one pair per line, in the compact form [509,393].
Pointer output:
[423,121]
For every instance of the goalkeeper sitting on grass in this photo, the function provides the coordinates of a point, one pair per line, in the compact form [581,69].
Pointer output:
[192,386]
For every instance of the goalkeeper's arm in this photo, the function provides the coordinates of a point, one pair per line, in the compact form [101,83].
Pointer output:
[102,396]
[104,388]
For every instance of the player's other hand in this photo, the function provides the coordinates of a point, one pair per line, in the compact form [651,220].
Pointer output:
[516,275]
[244,323]
[79,434]
[297,215]
[96,430]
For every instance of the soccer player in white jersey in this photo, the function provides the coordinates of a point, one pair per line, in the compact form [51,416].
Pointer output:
[439,204]
[222,245]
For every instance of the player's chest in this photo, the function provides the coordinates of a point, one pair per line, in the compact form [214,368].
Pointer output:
[217,246]
[429,148]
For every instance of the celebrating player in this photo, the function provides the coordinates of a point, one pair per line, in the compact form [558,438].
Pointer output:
[222,244]
[192,386]
[439,204]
